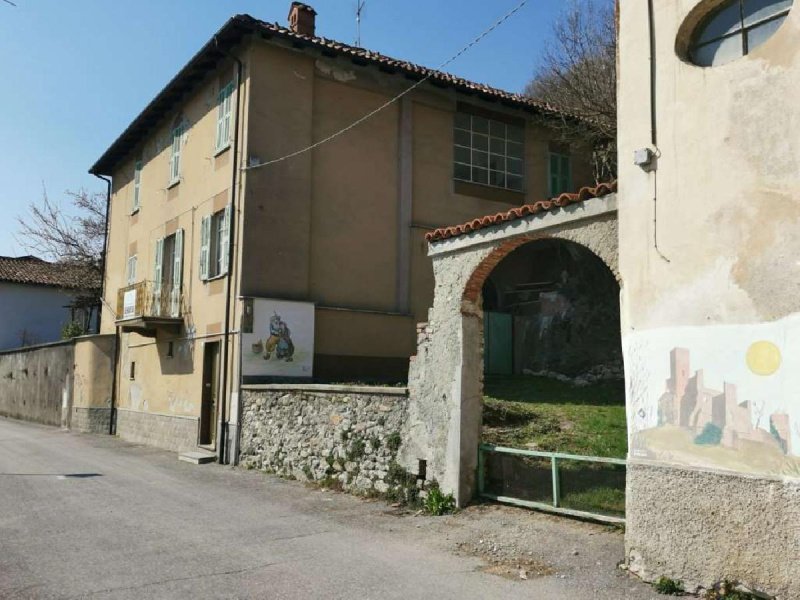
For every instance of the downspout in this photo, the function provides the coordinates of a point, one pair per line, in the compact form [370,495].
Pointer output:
[111,416]
[654,123]
[222,437]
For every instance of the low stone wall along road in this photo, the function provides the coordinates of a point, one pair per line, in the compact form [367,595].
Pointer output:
[90,516]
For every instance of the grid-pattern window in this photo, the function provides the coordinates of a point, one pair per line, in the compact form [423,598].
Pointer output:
[175,157]
[488,152]
[137,186]
[560,174]
[736,28]
[224,113]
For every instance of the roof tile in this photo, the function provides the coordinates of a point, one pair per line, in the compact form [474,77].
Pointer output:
[31,270]
[585,193]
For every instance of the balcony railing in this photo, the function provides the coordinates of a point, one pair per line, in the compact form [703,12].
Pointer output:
[149,300]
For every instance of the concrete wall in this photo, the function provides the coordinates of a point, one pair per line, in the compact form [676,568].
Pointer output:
[67,383]
[342,435]
[710,305]
[36,383]
[93,384]
[33,314]
[446,375]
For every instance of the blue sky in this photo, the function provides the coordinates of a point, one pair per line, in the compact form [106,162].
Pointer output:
[77,72]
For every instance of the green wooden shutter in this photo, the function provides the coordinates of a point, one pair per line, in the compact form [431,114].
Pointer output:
[224,240]
[205,246]
[177,276]
[157,274]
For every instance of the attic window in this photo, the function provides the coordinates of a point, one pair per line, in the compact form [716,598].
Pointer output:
[736,28]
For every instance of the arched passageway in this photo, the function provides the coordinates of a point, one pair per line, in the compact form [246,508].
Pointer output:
[446,378]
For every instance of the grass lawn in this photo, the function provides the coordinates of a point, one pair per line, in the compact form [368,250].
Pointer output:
[544,414]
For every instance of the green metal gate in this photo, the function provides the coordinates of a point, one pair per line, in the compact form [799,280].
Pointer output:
[541,476]
[498,343]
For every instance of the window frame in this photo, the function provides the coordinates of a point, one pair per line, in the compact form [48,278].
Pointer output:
[224,118]
[136,202]
[214,242]
[490,151]
[564,179]
[742,30]
[175,155]
[130,269]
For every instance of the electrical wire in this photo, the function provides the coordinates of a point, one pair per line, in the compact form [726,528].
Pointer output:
[431,73]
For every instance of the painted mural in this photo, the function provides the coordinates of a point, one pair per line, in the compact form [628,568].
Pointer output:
[724,397]
[277,339]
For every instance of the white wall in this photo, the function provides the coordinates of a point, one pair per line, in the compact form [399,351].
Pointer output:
[36,310]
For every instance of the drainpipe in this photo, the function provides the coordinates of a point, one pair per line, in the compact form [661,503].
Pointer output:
[111,416]
[222,435]
[652,24]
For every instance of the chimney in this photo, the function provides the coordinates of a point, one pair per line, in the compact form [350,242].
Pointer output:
[302,19]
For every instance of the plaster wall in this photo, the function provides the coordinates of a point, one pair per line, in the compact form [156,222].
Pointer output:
[720,286]
[36,383]
[32,314]
[93,383]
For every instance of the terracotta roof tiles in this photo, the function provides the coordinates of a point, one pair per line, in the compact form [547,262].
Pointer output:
[585,193]
[31,270]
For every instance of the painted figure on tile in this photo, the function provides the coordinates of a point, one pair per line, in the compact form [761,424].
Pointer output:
[279,340]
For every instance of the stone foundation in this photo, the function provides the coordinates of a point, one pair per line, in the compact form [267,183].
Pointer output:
[342,434]
[90,420]
[162,431]
[702,527]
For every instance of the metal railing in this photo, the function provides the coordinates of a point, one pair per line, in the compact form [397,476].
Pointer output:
[554,458]
[147,299]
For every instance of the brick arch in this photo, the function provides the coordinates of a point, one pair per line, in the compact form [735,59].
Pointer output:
[474,285]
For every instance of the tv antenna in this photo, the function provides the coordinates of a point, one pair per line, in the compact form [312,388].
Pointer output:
[359,9]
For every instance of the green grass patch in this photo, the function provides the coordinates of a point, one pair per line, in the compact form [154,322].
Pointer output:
[543,414]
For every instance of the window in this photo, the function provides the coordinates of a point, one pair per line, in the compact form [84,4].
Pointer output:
[175,158]
[224,101]
[132,373]
[735,29]
[137,186]
[167,275]
[488,152]
[560,174]
[214,239]
[130,273]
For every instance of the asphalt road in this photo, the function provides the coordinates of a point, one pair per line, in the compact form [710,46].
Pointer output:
[86,516]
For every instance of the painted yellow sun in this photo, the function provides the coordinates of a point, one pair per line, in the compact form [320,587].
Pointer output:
[763,358]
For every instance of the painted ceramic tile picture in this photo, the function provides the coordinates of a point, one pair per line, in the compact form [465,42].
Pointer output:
[277,338]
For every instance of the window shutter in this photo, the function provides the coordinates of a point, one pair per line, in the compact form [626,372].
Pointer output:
[554,179]
[224,240]
[227,105]
[205,246]
[220,118]
[157,273]
[566,175]
[177,277]
[137,184]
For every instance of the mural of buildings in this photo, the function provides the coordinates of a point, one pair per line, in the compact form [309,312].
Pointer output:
[714,416]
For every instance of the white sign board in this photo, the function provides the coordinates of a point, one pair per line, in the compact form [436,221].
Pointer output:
[129,304]
[277,338]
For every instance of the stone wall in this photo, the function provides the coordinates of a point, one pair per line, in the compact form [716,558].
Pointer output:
[169,432]
[336,434]
[702,527]
[36,383]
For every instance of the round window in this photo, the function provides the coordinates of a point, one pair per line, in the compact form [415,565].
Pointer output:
[735,29]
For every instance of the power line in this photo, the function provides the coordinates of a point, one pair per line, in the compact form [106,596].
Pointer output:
[9,2]
[388,103]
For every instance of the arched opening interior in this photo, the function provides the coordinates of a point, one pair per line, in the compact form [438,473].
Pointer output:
[553,374]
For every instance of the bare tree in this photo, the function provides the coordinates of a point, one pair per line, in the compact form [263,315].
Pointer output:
[578,74]
[76,239]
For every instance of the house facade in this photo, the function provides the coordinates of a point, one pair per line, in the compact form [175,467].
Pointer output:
[237,252]
[38,298]
[708,221]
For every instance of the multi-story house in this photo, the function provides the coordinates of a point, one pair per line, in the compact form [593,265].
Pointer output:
[230,188]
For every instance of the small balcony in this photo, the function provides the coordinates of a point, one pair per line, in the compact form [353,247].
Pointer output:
[146,307]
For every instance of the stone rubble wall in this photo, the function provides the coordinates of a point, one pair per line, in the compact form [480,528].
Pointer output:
[342,435]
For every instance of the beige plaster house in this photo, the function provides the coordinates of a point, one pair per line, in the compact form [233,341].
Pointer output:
[214,200]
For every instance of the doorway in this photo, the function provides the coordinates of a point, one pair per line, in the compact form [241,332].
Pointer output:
[209,405]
